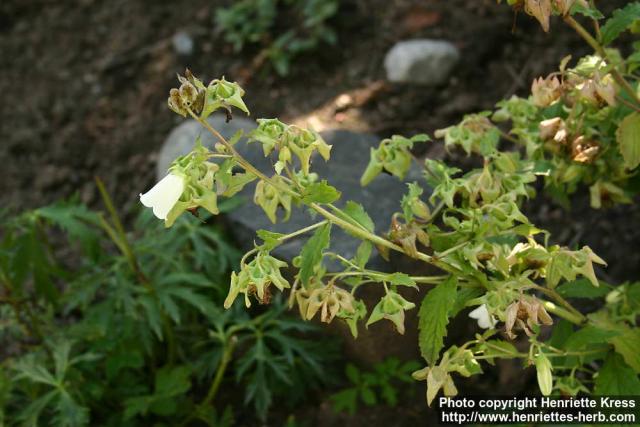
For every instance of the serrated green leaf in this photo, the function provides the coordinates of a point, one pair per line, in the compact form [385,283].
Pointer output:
[628,136]
[627,345]
[584,9]
[401,279]
[31,413]
[311,254]
[619,22]
[434,317]
[356,212]
[615,378]
[70,413]
[320,192]
[29,368]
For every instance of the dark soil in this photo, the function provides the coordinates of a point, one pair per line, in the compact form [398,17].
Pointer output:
[85,82]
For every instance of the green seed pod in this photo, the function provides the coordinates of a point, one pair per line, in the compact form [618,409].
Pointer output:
[545,378]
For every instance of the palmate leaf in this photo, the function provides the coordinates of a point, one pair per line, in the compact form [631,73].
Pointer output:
[29,368]
[70,413]
[30,415]
[78,221]
[171,382]
[434,317]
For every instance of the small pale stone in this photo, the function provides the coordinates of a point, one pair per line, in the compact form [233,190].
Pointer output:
[421,61]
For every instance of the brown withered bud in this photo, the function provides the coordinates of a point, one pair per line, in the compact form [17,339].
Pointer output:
[544,92]
[525,314]
[584,150]
[555,129]
[541,10]
[175,102]
[329,300]
[548,128]
[406,235]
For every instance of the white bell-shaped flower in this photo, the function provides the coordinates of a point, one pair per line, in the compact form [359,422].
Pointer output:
[481,314]
[164,195]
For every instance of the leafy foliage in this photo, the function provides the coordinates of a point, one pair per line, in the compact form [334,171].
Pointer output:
[135,335]
[380,385]
[249,22]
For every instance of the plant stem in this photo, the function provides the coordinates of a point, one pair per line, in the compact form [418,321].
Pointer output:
[119,238]
[229,346]
[565,314]
[599,49]
[558,298]
[358,231]
[18,308]
[303,230]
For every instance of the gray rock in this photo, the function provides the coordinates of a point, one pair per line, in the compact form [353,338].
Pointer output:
[349,158]
[421,61]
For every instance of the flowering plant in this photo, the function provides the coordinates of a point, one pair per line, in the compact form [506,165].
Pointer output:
[580,125]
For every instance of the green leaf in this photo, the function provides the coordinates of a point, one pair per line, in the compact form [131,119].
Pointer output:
[462,297]
[356,212]
[29,368]
[345,400]
[368,396]
[31,413]
[311,254]
[401,279]
[582,288]
[363,254]
[434,317]
[320,192]
[627,345]
[61,352]
[587,11]
[69,412]
[619,22]
[270,239]
[352,373]
[628,136]
[76,221]
[615,378]
[172,381]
